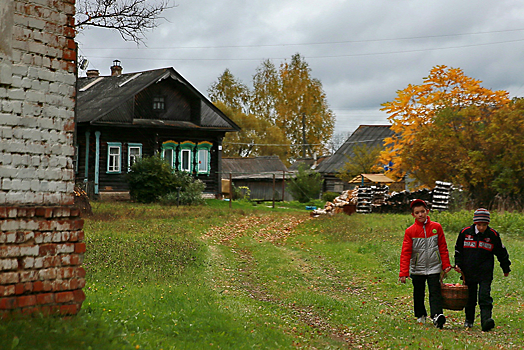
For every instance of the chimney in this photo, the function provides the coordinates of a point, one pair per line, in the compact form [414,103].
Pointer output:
[116,68]
[92,73]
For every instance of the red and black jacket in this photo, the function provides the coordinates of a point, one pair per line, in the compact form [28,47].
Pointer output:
[474,254]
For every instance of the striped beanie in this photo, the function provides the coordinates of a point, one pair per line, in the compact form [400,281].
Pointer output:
[481,215]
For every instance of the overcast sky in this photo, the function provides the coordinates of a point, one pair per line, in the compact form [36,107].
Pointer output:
[361,51]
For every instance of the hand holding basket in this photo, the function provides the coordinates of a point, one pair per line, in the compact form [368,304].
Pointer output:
[454,296]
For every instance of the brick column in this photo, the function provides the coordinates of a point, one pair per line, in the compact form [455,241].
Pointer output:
[41,237]
[41,252]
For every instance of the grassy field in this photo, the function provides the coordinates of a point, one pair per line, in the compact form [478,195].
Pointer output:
[211,277]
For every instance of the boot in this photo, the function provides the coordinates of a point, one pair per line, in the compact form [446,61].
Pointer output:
[487,322]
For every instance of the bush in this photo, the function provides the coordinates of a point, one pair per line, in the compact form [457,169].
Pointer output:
[151,179]
[190,191]
[306,185]
[329,196]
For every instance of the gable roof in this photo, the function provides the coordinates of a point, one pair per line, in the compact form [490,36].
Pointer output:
[371,135]
[246,167]
[102,96]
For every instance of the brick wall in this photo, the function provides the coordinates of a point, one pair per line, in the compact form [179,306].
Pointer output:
[41,237]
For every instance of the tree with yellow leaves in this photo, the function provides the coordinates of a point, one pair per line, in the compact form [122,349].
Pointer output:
[413,113]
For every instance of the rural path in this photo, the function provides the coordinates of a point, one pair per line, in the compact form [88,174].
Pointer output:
[276,230]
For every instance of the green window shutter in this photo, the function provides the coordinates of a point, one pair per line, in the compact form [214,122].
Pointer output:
[169,152]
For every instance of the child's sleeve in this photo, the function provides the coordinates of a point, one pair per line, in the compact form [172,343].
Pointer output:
[459,247]
[405,255]
[502,255]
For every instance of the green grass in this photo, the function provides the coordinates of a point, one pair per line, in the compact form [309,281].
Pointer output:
[249,277]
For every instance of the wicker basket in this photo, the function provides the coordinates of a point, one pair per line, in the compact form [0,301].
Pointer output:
[454,297]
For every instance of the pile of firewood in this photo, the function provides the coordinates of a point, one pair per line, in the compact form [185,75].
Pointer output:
[347,198]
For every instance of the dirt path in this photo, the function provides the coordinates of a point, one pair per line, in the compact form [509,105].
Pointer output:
[277,230]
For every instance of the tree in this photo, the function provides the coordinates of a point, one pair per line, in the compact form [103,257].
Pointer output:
[131,18]
[415,108]
[306,185]
[231,92]
[364,160]
[478,149]
[254,134]
[302,108]
[287,103]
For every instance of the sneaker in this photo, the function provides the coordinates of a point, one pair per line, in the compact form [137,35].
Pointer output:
[439,321]
[468,324]
[488,325]
[421,319]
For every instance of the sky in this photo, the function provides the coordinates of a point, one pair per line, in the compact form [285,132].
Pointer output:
[363,52]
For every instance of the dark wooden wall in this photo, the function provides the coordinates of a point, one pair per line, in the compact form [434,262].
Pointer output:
[151,140]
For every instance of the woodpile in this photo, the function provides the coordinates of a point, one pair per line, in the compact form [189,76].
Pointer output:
[343,203]
[377,199]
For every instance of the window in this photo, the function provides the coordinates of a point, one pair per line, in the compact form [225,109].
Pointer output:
[113,157]
[185,162]
[186,156]
[168,152]
[134,153]
[158,103]
[204,161]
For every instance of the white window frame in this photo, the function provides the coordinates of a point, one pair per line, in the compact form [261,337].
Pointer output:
[115,158]
[189,158]
[203,161]
[131,159]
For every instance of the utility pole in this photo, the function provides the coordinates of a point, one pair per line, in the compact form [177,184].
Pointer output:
[304,136]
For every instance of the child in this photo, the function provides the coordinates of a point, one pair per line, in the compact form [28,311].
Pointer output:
[476,245]
[424,256]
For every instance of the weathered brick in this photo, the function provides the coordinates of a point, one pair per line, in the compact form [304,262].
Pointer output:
[8,303]
[26,300]
[80,247]
[45,298]
[64,297]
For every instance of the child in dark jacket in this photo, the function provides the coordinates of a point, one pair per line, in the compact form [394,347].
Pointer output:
[424,255]
[474,255]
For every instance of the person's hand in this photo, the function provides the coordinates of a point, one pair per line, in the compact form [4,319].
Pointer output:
[447,269]
[402,279]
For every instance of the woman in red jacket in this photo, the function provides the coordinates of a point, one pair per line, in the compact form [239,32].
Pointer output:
[424,256]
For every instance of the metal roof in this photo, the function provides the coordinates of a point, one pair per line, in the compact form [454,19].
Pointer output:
[247,167]
[109,99]
[371,135]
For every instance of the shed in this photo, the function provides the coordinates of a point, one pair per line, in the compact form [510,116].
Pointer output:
[258,173]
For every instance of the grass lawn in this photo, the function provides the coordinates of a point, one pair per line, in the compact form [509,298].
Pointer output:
[210,277]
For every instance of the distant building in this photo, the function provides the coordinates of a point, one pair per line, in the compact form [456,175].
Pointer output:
[257,174]
[123,117]
[370,135]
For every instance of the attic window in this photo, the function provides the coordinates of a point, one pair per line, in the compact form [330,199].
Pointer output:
[158,103]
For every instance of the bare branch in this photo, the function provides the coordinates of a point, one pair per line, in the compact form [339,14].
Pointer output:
[131,18]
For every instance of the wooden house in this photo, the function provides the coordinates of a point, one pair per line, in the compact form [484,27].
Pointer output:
[370,135]
[264,176]
[122,117]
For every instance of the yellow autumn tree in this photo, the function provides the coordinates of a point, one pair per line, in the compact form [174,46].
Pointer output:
[416,107]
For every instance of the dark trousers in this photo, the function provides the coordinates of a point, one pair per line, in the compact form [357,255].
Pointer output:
[481,289]
[419,294]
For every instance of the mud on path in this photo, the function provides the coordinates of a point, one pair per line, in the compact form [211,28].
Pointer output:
[277,230]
